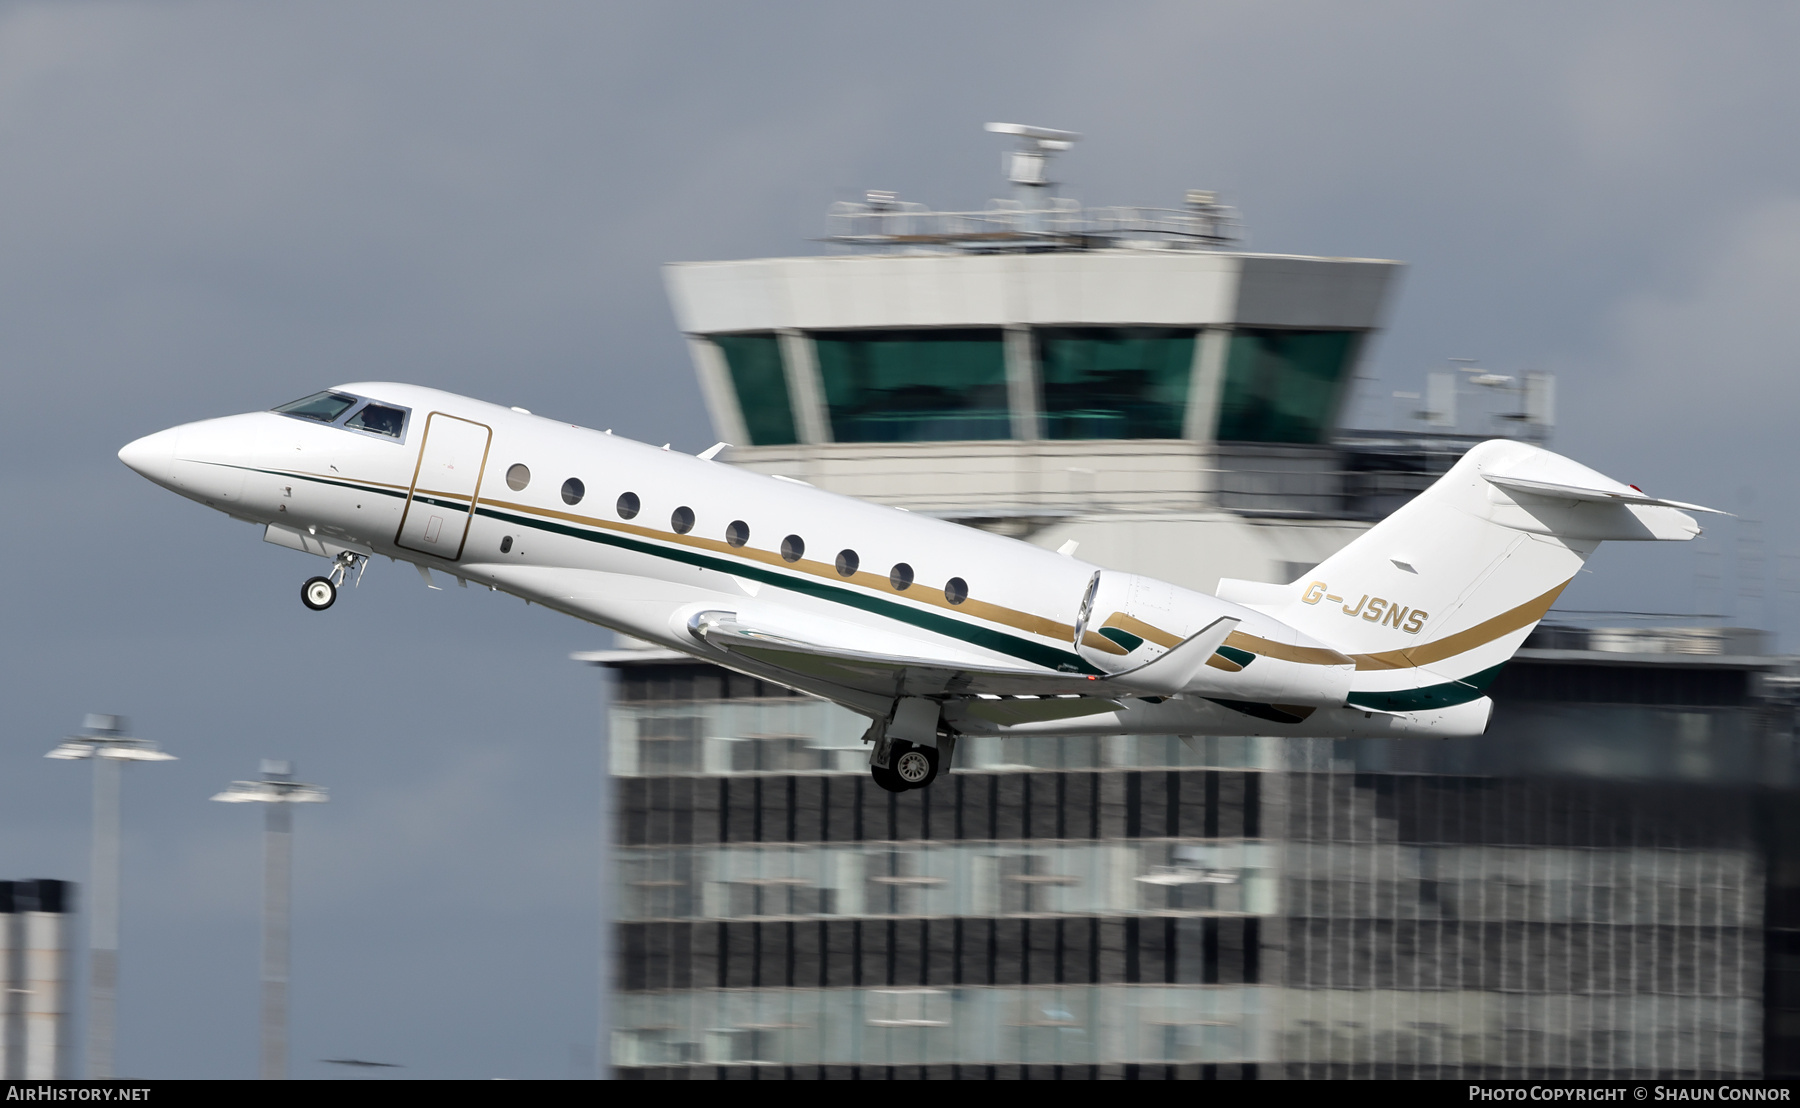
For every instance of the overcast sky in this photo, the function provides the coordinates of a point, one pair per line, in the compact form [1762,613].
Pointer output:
[207,209]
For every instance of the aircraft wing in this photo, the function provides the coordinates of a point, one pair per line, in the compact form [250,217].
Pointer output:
[891,675]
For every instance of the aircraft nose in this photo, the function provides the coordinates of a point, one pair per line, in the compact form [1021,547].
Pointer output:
[153,456]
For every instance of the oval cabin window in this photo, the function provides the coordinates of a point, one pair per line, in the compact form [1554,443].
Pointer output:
[901,576]
[956,590]
[792,548]
[517,477]
[847,561]
[628,505]
[682,520]
[572,491]
[737,533]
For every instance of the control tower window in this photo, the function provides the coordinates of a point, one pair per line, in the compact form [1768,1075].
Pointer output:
[915,385]
[1283,386]
[757,377]
[1115,382]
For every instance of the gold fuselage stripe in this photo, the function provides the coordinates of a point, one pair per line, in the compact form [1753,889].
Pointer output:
[1479,635]
[978,609]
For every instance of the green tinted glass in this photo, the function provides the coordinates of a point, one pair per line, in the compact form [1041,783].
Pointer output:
[761,386]
[1115,382]
[914,386]
[1283,386]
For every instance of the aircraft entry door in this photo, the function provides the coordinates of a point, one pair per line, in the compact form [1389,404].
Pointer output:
[445,484]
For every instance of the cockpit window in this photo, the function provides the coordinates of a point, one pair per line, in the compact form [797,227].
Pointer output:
[380,419]
[322,406]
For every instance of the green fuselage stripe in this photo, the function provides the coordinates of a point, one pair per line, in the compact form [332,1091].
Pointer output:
[1446,695]
[1047,656]
[1023,649]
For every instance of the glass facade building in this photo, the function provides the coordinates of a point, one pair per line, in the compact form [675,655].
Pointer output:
[1602,886]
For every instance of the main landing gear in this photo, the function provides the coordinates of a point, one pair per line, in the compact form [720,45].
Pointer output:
[909,767]
[898,764]
[320,593]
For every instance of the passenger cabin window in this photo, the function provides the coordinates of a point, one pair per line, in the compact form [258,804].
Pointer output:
[572,491]
[956,590]
[379,419]
[517,477]
[737,532]
[682,520]
[322,406]
[792,548]
[847,561]
[628,505]
[901,576]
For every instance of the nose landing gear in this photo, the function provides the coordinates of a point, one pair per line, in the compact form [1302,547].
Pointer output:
[320,593]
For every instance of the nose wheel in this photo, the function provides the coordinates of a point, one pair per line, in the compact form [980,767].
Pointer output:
[320,593]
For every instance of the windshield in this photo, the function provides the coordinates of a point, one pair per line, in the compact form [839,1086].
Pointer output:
[380,419]
[322,406]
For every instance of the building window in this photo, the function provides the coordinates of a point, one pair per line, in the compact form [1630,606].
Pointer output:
[1283,386]
[572,491]
[1115,382]
[792,548]
[681,520]
[914,386]
[760,382]
[737,533]
[628,505]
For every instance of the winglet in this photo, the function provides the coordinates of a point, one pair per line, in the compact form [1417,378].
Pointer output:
[712,451]
[1172,672]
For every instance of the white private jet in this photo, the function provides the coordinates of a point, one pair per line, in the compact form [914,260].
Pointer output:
[931,629]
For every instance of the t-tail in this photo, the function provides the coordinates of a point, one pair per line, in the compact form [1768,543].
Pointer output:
[1433,601]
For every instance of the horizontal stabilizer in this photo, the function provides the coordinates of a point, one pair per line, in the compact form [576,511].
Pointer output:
[1597,496]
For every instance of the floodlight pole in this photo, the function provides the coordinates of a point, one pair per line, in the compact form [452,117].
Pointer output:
[277,791]
[103,741]
[103,929]
[278,883]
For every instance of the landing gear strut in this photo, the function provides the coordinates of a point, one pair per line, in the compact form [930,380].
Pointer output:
[320,593]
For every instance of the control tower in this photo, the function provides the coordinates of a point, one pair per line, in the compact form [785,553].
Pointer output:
[1123,377]
[1593,890]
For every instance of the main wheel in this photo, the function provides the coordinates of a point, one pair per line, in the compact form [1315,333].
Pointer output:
[887,779]
[318,593]
[916,766]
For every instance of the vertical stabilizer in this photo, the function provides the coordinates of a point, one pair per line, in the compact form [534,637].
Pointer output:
[1433,600]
